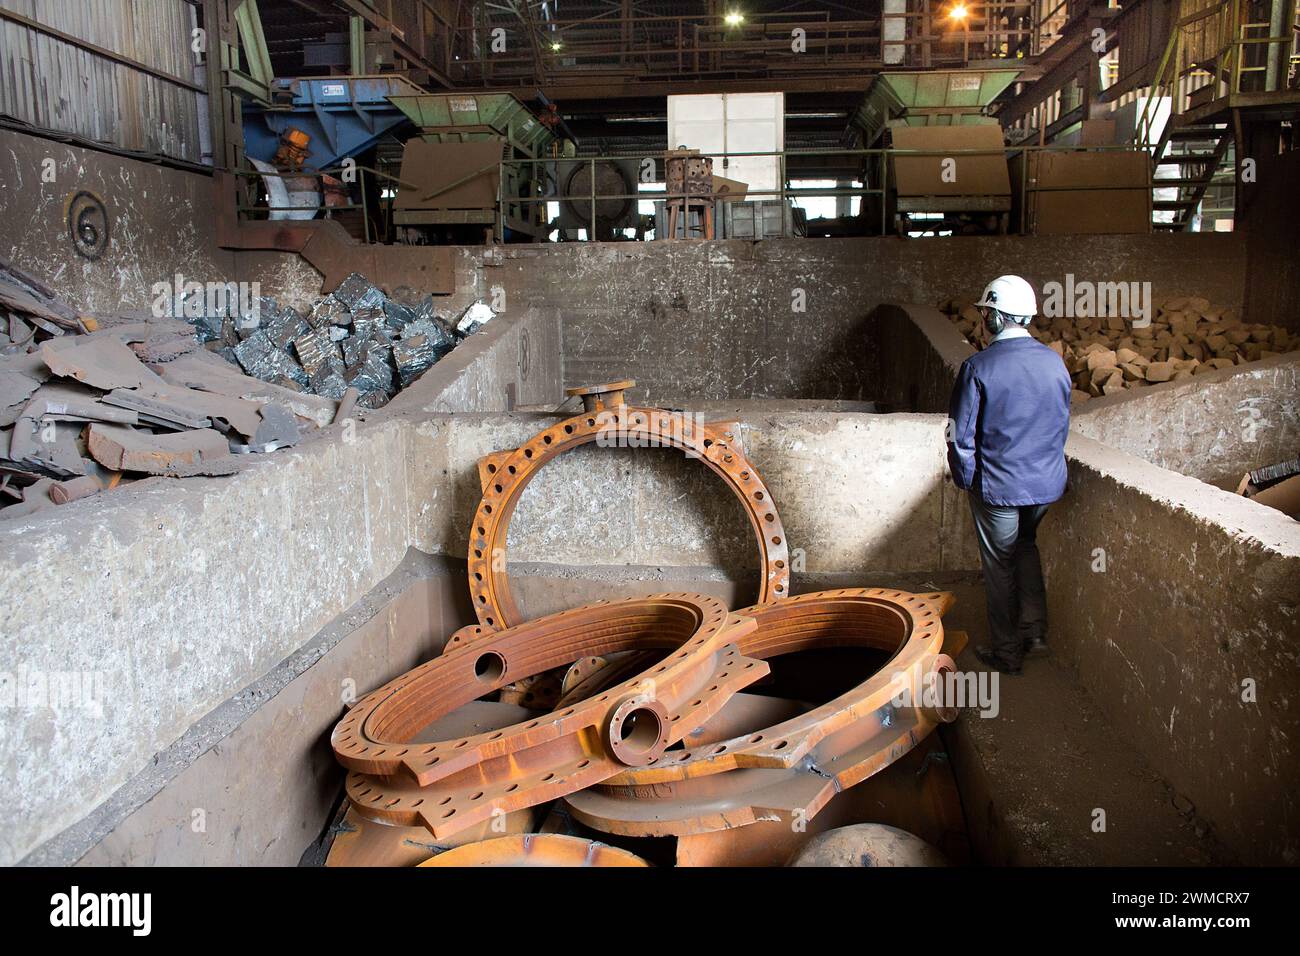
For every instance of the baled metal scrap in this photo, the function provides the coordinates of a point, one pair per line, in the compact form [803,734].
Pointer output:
[354,336]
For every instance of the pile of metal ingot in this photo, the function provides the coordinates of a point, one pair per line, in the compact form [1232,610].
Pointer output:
[537,742]
[1111,353]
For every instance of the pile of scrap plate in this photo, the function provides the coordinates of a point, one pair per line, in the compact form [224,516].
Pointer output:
[80,413]
[645,729]
[354,337]
[30,312]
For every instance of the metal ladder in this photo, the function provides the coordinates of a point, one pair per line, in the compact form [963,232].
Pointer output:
[1198,154]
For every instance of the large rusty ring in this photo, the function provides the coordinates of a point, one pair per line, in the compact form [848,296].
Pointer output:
[796,766]
[448,785]
[504,476]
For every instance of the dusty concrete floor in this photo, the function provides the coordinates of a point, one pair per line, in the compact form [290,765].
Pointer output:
[1051,760]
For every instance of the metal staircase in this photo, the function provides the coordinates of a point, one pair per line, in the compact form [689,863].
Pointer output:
[1187,161]
[1219,69]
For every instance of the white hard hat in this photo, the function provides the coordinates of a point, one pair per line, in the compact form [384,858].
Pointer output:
[1010,295]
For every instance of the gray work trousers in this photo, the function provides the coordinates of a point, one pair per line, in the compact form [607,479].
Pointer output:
[1013,576]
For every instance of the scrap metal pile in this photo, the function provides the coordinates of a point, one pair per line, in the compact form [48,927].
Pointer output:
[81,411]
[85,408]
[354,337]
[638,717]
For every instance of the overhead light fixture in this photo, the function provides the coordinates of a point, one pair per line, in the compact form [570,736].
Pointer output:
[959,11]
[734,19]
[556,45]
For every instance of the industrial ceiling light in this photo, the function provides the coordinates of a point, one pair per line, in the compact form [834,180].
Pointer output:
[959,11]
[734,19]
[556,45]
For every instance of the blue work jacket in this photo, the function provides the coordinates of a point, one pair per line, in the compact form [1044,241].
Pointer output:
[1007,424]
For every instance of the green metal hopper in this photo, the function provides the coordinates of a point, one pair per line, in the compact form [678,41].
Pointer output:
[470,117]
[936,98]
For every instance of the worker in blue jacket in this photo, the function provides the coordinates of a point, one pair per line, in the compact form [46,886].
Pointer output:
[1007,423]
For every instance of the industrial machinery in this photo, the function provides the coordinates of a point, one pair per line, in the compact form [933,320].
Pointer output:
[591,190]
[956,180]
[452,177]
[324,120]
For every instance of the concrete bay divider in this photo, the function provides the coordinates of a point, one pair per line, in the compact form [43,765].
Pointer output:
[924,351]
[1179,606]
[179,594]
[857,492]
[1215,426]
[786,318]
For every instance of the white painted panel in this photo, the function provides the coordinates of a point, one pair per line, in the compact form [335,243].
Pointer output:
[715,123]
[894,27]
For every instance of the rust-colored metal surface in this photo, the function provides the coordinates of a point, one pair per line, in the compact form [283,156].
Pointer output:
[598,398]
[536,849]
[361,842]
[792,769]
[917,792]
[447,785]
[504,476]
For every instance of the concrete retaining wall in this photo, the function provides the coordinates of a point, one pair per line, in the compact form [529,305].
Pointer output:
[1200,594]
[160,223]
[1214,427]
[175,595]
[924,352]
[255,781]
[722,320]
[857,492]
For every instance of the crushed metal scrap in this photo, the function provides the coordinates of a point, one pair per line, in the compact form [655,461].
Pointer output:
[89,406]
[354,337]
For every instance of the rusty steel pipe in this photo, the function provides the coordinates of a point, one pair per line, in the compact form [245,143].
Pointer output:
[448,785]
[504,475]
[794,767]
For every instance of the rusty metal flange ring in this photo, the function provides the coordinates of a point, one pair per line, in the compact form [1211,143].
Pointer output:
[536,849]
[504,476]
[448,785]
[796,766]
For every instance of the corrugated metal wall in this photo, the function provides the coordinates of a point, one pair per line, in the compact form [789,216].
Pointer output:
[55,85]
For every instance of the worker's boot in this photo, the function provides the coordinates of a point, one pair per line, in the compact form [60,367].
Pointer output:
[1036,647]
[990,658]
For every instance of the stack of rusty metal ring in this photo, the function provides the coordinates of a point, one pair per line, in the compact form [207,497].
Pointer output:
[638,676]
